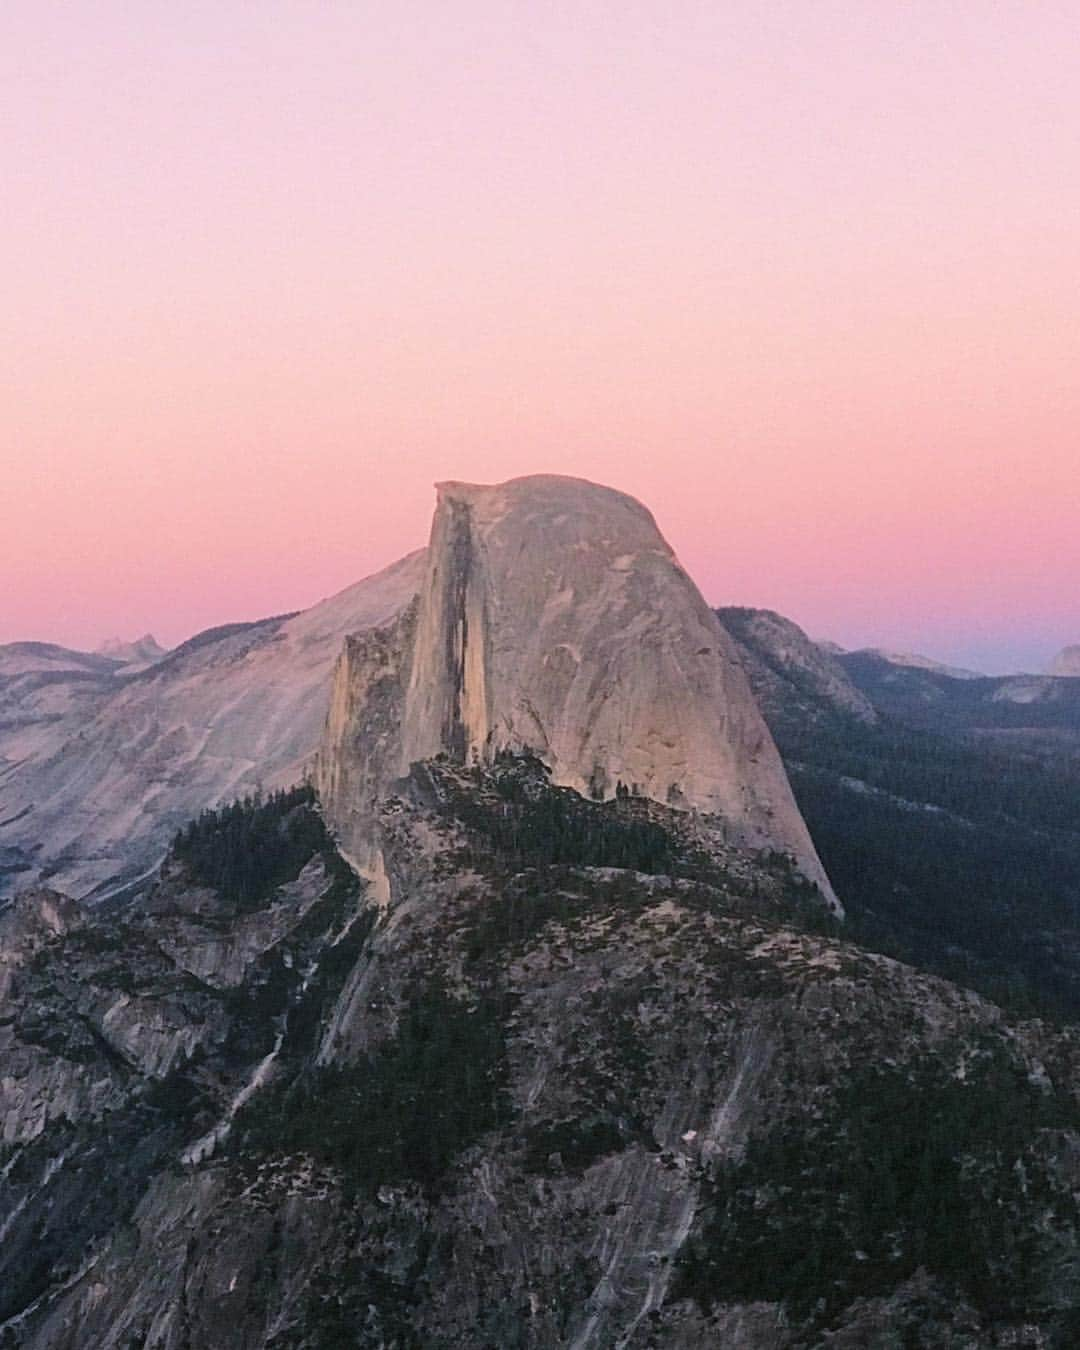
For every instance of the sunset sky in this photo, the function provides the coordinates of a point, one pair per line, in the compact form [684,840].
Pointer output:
[803,277]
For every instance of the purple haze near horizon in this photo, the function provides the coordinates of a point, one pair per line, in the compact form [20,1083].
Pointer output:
[804,279]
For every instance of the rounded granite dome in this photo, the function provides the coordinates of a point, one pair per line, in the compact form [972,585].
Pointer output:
[1067,662]
[555,618]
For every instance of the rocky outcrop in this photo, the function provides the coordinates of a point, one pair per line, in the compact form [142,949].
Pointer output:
[134,655]
[361,751]
[128,1041]
[553,617]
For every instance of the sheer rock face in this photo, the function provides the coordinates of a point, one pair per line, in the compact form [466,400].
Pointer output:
[553,616]
[361,750]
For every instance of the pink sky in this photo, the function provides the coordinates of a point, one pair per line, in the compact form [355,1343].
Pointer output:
[805,278]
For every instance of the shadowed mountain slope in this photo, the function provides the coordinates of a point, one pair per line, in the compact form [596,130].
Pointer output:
[95,779]
[950,826]
[587,1078]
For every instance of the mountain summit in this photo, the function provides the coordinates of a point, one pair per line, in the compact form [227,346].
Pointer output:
[1067,662]
[548,614]
[554,618]
[140,652]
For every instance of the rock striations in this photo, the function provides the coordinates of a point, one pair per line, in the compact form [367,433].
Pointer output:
[553,617]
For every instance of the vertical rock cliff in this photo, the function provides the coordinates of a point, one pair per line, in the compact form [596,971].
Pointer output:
[554,617]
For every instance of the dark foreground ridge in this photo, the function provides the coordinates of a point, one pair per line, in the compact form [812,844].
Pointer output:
[595,1078]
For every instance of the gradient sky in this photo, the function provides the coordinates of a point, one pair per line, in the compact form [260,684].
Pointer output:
[804,277]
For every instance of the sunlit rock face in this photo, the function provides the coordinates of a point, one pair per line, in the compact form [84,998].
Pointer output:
[553,616]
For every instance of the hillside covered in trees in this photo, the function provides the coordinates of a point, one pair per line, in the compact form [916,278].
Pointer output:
[953,843]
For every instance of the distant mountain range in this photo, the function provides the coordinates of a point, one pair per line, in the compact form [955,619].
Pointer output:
[1066,663]
[932,698]
[112,657]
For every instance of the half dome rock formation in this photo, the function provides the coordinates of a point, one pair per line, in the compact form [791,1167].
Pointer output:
[554,618]
[1067,662]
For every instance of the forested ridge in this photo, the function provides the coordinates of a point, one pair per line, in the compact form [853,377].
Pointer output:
[918,1167]
[251,846]
[950,847]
